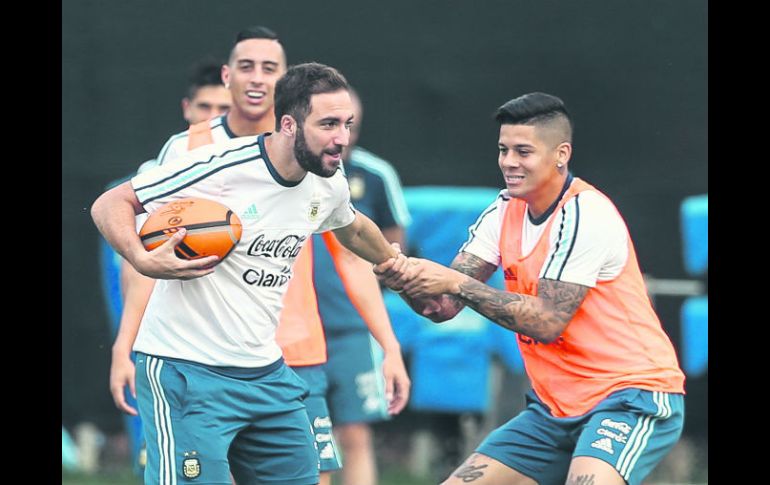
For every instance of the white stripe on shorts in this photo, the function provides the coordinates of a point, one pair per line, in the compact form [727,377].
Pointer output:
[641,435]
[162,412]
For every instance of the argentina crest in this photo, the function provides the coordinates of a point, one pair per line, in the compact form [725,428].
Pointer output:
[315,205]
[191,466]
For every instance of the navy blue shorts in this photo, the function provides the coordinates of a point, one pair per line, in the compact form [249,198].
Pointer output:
[631,429]
[201,423]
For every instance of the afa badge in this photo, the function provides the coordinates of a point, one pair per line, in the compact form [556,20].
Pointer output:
[191,466]
[314,206]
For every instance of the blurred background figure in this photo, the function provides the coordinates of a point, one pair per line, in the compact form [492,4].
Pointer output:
[356,396]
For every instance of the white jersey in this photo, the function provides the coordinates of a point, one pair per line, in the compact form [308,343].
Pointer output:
[588,226]
[177,144]
[228,318]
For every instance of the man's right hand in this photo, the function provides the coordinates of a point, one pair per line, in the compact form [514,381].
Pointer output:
[122,374]
[162,264]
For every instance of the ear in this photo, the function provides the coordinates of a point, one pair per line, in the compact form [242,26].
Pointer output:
[288,125]
[563,153]
[186,109]
[226,75]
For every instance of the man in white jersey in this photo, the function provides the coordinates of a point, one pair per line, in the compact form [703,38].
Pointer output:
[256,61]
[212,388]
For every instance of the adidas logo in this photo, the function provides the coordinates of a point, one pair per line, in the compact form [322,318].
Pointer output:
[604,444]
[250,213]
[327,452]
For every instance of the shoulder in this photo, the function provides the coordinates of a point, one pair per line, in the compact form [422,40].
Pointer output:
[593,215]
[367,161]
[593,203]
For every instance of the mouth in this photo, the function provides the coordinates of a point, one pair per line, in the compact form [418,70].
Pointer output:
[514,179]
[255,96]
[335,156]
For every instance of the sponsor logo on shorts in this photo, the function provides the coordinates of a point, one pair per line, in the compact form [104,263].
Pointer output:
[322,422]
[604,444]
[323,437]
[327,452]
[617,425]
[620,438]
[191,466]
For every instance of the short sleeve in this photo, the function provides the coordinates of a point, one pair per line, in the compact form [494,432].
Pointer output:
[484,235]
[589,242]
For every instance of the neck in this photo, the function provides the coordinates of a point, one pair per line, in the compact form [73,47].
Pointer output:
[242,126]
[280,149]
[540,202]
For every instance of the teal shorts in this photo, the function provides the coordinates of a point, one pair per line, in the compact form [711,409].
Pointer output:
[318,412]
[631,429]
[354,372]
[202,423]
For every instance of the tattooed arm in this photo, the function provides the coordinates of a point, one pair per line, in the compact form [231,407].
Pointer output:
[541,317]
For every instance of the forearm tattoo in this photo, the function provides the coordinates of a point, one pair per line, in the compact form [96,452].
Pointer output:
[542,317]
[472,266]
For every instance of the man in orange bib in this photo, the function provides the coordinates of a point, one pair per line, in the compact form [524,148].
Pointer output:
[607,392]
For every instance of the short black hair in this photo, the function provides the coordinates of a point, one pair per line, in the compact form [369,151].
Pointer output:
[206,72]
[294,90]
[253,32]
[534,109]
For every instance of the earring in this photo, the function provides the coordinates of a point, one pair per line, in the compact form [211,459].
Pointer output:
[227,85]
[559,165]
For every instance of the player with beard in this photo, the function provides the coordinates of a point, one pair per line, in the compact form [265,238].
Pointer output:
[213,391]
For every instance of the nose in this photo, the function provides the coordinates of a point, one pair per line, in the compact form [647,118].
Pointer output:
[257,76]
[509,159]
[342,137]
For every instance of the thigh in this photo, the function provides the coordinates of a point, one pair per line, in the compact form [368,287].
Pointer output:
[483,470]
[184,443]
[356,385]
[634,433]
[278,445]
[534,444]
[318,413]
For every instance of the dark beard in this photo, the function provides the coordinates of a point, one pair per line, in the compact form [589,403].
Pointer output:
[308,160]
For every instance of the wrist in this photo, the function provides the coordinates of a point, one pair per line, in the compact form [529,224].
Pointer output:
[392,347]
[456,283]
[121,350]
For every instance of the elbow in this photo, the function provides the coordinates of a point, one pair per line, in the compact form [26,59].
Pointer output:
[441,314]
[96,208]
[551,335]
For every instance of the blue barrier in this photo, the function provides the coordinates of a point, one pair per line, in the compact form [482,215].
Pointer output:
[695,336]
[695,234]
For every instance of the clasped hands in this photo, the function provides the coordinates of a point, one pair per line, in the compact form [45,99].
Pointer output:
[417,277]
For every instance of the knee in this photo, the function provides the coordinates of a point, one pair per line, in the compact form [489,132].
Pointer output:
[354,435]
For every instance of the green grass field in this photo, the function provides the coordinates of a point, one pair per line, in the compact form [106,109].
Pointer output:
[125,477]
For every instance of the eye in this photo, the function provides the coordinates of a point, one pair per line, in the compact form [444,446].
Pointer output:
[502,150]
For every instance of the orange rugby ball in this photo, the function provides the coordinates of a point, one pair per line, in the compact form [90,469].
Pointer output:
[212,228]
